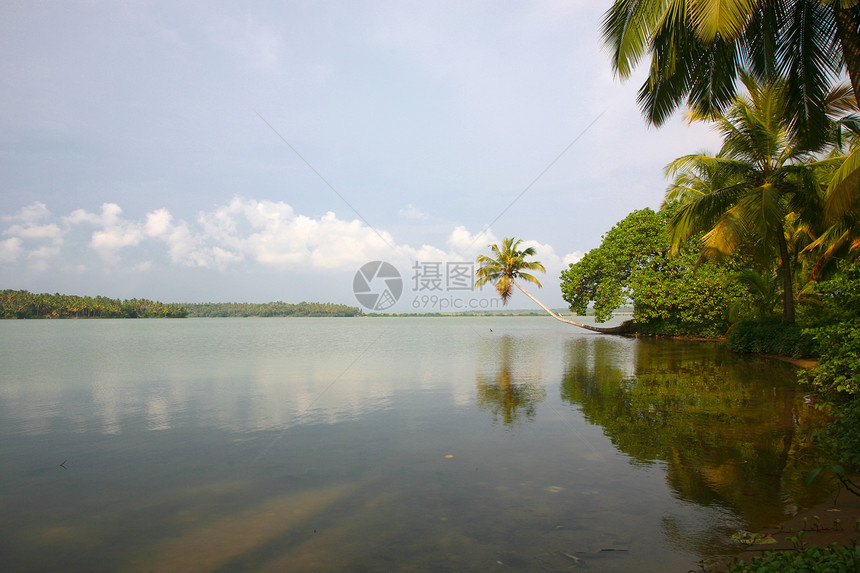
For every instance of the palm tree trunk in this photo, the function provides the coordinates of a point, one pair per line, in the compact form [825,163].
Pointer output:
[787,282]
[620,329]
[847,21]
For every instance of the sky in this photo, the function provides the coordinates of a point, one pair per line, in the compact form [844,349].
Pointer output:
[259,151]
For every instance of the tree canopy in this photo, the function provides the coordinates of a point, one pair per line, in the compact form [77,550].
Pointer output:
[670,295]
[270,309]
[763,181]
[24,304]
[698,49]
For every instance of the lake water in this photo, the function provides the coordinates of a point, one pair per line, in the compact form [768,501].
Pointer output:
[385,444]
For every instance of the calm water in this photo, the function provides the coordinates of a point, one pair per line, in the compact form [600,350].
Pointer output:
[426,444]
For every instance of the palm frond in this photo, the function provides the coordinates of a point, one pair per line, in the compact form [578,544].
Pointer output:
[506,264]
[626,29]
[714,76]
[760,40]
[530,278]
[726,234]
[702,214]
[763,209]
[809,51]
[723,18]
[505,289]
[844,188]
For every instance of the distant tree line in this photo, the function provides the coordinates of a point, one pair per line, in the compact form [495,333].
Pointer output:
[245,309]
[24,304]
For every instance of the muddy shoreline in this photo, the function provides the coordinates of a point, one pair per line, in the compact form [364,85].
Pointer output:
[836,520]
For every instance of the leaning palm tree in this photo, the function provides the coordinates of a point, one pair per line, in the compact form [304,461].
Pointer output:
[508,264]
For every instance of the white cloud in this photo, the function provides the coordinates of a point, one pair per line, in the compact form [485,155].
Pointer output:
[30,213]
[158,223]
[572,258]
[32,238]
[10,250]
[249,232]
[31,231]
[112,239]
[110,216]
[27,227]
[250,42]
[410,211]
[40,257]
[116,233]
[188,249]
[462,241]
[547,256]
[272,233]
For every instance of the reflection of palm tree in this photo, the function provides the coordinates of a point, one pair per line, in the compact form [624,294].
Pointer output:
[508,265]
[507,400]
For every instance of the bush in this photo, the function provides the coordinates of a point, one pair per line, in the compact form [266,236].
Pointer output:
[679,299]
[770,336]
[838,370]
[843,435]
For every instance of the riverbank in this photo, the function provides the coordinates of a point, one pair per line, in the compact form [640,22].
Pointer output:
[836,520]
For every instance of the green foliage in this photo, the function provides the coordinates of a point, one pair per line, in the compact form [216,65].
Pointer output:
[507,264]
[698,50]
[770,336]
[271,309]
[24,304]
[814,559]
[603,274]
[844,435]
[676,298]
[841,292]
[838,370]
[670,295]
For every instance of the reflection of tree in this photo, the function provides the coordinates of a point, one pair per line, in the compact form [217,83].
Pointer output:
[731,431]
[509,398]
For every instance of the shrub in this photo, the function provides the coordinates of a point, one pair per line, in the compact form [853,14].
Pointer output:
[770,336]
[838,370]
[843,434]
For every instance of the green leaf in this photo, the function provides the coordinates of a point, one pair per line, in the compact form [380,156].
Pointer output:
[842,192]
[810,477]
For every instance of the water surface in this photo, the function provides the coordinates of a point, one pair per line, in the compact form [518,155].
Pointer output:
[375,444]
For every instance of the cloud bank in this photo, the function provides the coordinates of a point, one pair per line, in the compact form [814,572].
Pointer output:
[244,232]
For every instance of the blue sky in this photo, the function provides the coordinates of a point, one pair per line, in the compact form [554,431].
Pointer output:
[257,151]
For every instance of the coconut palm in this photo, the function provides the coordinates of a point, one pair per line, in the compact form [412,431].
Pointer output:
[768,185]
[843,191]
[507,264]
[699,48]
